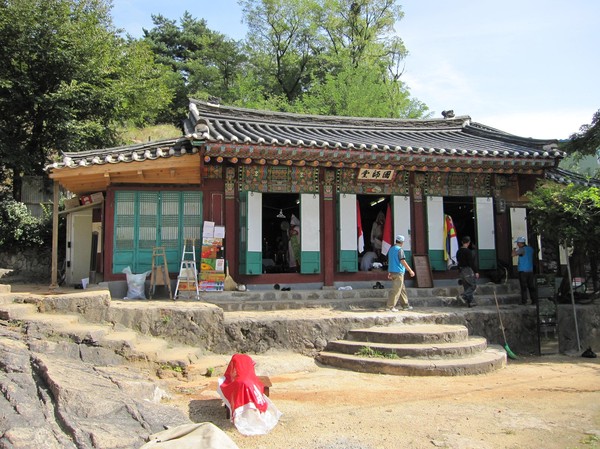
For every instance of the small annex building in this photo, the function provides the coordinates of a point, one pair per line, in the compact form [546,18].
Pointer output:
[295,193]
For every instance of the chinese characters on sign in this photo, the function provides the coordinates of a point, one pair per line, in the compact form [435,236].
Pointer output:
[375,174]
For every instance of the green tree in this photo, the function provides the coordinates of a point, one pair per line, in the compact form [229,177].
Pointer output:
[204,63]
[282,44]
[334,57]
[568,216]
[586,142]
[68,81]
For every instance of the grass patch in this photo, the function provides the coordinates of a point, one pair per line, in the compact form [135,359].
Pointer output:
[151,133]
[367,351]
[174,368]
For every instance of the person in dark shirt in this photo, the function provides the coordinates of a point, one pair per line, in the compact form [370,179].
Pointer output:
[468,275]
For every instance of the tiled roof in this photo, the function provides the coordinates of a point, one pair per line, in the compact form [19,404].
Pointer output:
[562,176]
[129,153]
[317,136]
[454,136]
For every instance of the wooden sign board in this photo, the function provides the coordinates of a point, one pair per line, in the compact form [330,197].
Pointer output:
[422,268]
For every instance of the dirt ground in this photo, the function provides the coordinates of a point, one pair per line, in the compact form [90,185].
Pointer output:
[535,402]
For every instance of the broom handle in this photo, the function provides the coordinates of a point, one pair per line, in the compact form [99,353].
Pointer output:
[500,317]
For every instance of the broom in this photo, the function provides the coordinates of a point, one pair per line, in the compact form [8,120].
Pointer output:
[511,355]
[229,284]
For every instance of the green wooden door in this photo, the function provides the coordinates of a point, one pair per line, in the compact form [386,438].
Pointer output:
[145,219]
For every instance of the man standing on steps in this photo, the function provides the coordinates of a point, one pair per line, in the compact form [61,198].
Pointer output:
[397,266]
[525,268]
[468,275]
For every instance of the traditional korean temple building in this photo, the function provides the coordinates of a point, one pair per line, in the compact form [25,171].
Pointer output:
[293,193]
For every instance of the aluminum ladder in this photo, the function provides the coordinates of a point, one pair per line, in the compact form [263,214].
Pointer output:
[187,279]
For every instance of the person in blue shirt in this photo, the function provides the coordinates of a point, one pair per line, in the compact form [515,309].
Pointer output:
[397,266]
[525,254]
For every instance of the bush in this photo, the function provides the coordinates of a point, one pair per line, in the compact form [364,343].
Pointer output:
[19,229]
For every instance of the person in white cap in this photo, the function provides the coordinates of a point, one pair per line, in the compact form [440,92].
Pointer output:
[525,269]
[397,266]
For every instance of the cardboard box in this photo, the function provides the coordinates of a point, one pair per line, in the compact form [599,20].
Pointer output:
[97,197]
[72,202]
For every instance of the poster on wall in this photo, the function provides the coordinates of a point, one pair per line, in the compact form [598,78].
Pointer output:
[212,262]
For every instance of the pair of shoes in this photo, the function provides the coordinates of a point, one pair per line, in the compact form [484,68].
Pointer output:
[393,309]
[407,308]
[378,285]
[460,299]
[472,304]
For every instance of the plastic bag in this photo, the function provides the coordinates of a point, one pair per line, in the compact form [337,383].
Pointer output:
[135,284]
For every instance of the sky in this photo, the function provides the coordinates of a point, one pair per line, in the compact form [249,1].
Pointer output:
[526,67]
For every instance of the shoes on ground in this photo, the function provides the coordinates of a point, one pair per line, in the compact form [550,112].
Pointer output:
[407,308]
[393,309]
[472,304]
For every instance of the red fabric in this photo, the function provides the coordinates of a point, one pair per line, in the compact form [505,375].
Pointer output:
[387,241]
[241,386]
[361,236]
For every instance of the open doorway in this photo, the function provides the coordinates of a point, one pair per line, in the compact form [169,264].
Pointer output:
[462,211]
[281,232]
[373,209]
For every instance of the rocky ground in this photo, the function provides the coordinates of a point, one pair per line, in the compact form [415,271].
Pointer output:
[547,402]
[68,395]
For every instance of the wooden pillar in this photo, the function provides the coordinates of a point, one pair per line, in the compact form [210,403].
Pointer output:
[329,240]
[419,233]
[231,222]
[54,262]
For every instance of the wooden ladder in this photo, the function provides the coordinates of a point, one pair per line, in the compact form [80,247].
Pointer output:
[187,279]
[160,271]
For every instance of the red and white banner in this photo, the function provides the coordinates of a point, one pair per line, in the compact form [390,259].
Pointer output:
[361,235]
[387,241]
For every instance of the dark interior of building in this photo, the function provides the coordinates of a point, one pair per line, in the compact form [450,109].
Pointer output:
[279,215]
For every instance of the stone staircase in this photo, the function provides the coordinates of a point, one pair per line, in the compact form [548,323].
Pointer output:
[359,298]
[72,327]
[413,350]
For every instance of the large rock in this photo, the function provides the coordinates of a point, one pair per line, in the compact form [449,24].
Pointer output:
[57,400]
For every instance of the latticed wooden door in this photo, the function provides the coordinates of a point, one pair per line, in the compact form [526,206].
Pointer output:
[145,219]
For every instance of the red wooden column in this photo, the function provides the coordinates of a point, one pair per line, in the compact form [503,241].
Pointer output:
[419,230]
[232,232]
[329,227]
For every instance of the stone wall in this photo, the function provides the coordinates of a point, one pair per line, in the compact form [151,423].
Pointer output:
[28,264]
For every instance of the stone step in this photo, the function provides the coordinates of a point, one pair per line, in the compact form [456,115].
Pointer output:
[491,359]
[127,343]
[14,311]
[411,334]
[241,303]
[460,349]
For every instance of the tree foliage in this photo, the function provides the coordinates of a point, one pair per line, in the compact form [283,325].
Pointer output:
[19,229]
[67,81]
[587,140]
[568,216]
[204,62]
[333,57]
